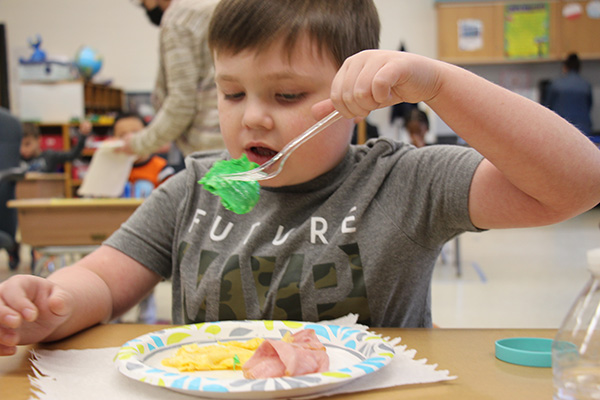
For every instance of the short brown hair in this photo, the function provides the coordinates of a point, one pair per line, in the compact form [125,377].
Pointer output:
[30,130]
[572,63]
[343,27]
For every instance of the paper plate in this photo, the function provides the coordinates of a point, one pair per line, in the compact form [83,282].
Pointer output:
[352,353]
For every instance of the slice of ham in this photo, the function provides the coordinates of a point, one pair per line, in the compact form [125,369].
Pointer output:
[299,354]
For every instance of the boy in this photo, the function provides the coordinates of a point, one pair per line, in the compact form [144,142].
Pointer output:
[342,228]
[33,159]
[48,160]
[148,171]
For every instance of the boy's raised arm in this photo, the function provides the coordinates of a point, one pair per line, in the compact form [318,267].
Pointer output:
[538,170]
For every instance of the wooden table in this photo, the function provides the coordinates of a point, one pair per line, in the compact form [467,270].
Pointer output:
[41,185]
[466,353]
[71,222]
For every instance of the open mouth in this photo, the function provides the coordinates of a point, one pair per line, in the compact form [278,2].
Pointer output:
[260,155]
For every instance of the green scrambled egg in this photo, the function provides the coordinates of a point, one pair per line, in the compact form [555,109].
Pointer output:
[237,196]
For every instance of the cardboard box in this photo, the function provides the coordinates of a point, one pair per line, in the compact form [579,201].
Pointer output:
[51,102]
[47,71]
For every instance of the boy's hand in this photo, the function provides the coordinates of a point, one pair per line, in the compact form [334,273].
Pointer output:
[375,79]
[31,308]
[85,127]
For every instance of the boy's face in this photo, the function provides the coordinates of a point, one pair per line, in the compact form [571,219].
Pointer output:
[265,101]
[30,147]
[128,125]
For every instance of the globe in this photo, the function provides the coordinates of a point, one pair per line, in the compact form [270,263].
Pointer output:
[88,62]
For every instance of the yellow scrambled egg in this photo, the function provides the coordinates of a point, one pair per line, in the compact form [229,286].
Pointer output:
[220,356]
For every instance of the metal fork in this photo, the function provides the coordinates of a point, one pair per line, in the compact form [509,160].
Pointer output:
[262,172]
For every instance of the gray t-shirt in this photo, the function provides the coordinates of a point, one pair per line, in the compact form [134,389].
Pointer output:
[362,238]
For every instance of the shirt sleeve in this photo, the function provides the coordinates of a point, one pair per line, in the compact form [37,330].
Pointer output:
[433,184]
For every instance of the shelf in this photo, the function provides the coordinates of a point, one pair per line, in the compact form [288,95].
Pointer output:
[100,99]
[61,135]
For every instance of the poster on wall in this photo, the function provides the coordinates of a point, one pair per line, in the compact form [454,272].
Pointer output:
[527,30]
[470,34]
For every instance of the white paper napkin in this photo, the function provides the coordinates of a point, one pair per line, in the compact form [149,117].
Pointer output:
[91,374]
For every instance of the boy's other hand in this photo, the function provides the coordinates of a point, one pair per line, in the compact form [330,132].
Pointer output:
[31,308]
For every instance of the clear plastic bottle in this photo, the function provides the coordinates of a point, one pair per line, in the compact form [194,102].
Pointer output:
[576,348]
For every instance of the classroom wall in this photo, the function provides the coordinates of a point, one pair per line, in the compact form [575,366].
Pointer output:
[524,79]
[117,29]
[120,31]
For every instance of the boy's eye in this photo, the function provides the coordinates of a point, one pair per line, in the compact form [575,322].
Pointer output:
[290,97]
[234,96]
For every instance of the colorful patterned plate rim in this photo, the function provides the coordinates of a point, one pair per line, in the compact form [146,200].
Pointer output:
[352,353]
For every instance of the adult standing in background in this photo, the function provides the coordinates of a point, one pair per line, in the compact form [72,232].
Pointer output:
[10,142]
[570,96]
[185,94]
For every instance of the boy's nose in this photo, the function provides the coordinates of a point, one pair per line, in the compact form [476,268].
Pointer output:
[257,116]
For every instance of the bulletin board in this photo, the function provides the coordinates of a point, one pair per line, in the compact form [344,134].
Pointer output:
[454,24]
[581,34]
[489,32]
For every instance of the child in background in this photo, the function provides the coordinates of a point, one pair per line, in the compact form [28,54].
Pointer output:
[35,159]
[416,124]
[342,228]
[148,171]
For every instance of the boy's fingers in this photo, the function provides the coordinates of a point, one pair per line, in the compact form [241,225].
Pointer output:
[26,312]
[8,337]
[16,300]
[8,350]
[9,318]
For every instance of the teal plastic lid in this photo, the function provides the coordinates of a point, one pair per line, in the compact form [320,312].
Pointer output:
[530,352]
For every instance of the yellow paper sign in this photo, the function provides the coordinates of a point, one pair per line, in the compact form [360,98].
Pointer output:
[526,30]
